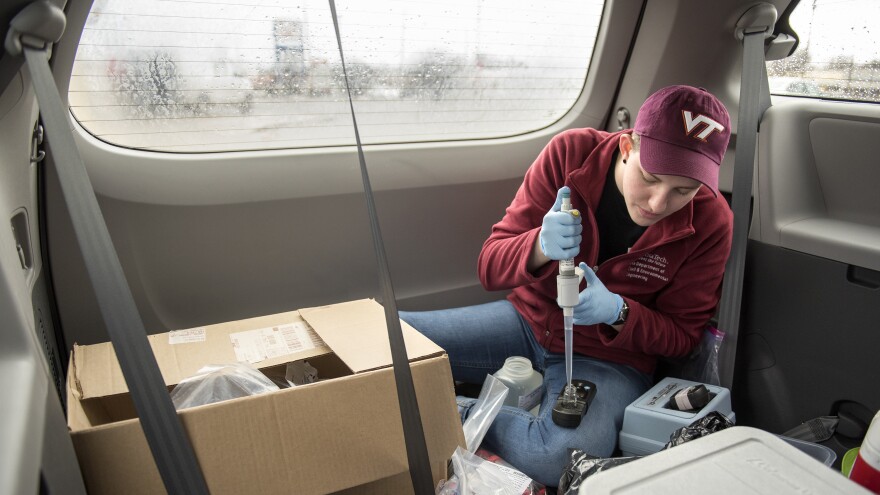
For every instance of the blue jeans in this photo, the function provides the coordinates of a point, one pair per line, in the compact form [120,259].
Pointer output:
[479,338]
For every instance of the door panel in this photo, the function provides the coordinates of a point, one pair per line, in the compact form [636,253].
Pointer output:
[817,178]
[36,452]
[809,339]
[811,300]
[195,265]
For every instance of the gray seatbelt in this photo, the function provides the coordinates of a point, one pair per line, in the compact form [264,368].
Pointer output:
[754,98]
[32,32]
[416,449]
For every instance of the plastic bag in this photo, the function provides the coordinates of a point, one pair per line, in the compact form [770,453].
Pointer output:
[295,373]
[702,365]
[481,416]
[708,424]
[485,474]
[583,465]
[483,412]
[475,475]
[300,373]
[218,382]
[533,488]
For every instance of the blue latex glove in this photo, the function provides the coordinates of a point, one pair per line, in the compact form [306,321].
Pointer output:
[596,304]
[560,231]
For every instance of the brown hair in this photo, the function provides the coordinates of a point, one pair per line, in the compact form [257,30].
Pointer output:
[636,140]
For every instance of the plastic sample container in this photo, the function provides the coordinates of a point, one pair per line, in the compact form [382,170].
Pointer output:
[526,385]
[821,453]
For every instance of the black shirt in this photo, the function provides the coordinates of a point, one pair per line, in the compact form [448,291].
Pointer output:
[617,231]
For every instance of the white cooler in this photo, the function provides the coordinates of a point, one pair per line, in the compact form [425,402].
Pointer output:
[738,460]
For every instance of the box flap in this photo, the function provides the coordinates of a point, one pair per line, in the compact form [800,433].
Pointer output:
[357,333]
[180,354]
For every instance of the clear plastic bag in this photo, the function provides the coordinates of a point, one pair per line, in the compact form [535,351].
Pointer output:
[702,365]
[533,487]
[475,475]
[487,474]
[484,473]
[483,412]
[219,382]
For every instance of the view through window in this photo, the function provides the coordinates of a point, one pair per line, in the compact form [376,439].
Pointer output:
[199,75]
[838,55]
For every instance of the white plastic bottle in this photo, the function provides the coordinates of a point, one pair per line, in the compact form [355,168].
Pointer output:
[866,468]
[526,385]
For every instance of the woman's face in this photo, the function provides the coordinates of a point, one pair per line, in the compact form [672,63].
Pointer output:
[650,198]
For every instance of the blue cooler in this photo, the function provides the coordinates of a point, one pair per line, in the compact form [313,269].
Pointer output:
[649,421]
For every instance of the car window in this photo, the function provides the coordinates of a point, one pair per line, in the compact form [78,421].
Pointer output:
[838,55]
[189,76]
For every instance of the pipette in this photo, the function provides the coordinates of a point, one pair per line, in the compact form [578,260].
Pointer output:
[569,406]
[567,287]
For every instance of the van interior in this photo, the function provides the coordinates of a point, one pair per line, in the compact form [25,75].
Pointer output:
[241,205]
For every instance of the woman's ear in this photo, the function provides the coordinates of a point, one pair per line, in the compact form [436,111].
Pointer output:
[625,145]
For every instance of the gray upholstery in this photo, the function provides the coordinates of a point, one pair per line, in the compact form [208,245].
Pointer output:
[817,178]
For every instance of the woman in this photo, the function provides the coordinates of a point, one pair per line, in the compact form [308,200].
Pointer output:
[658,235]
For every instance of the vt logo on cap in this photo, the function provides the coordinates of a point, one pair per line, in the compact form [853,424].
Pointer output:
[690,123]
[695,153]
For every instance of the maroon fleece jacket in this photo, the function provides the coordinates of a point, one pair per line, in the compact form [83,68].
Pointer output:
[671,278]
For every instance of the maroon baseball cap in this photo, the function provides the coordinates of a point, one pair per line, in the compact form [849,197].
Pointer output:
[684,131]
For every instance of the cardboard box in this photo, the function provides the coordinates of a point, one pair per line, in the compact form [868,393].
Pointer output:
[341,433]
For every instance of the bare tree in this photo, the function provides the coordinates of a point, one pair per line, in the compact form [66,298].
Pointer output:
[150,85]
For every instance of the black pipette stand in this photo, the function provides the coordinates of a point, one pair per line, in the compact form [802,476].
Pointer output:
[567,414]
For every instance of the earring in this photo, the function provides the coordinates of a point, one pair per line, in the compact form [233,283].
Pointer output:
[624,161]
